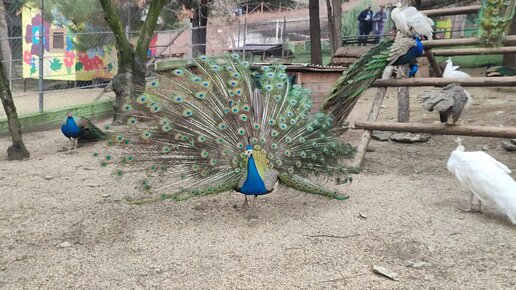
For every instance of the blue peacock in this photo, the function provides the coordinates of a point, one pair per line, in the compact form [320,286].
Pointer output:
[404,49]
[75,128]
[222,125]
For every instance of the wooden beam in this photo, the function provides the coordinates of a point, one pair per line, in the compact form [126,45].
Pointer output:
[475,51]
[510,39]
[441,82]
[403,96]
[451,11]
[433,62]
[373,115]
[441,129]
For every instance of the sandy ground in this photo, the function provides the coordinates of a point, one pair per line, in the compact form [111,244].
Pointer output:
[64,223]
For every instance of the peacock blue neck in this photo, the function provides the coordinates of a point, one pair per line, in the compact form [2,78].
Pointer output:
[253,184]
[70,128]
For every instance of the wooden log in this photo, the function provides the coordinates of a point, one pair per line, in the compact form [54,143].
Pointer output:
[373,115]
[441,129]
[403,97]
[435,66]
[452,11]
[475,51]
[440,82]
[510,39]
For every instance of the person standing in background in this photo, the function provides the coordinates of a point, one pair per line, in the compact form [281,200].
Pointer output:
[365,25]
[379,20]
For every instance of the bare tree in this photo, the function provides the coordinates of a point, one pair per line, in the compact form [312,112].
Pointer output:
[315,32]
[334,24]
[17,150]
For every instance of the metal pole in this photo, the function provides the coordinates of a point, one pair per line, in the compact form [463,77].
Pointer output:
[41,54]
[190,50]
[283,37]
[238,36]
[245,34]
[10,71]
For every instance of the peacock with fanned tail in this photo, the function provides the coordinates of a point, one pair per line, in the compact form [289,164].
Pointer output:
[220,126]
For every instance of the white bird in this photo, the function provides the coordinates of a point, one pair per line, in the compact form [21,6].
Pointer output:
[452,71]
[410,21]
[485,177]
[449,101]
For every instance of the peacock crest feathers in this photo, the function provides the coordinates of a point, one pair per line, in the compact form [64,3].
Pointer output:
[188,136]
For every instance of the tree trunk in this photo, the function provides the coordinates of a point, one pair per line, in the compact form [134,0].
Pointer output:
[510,59]
[4,38]
[130,78]
[334,24]
[315,32]
[17,151]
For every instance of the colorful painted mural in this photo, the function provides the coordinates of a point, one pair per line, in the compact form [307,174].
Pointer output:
[62,61]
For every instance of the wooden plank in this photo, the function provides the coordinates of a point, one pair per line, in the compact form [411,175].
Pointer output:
[442,129]
[440,82]
[475,51]
[510,39]
[452,11]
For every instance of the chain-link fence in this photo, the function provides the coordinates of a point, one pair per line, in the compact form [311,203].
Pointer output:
[53,63]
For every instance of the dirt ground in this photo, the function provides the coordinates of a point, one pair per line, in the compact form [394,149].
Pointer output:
[64,223]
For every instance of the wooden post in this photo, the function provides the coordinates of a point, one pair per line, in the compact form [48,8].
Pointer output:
[403,97]
[431,59]
[475,51]
[440,82]
[373,115]
[442,129]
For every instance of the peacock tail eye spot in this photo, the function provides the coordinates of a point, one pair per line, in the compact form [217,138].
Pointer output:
[268,88]
[278,98]
[222,126]
[279,162]
[204,153]
[245,63]
[165,149]
[265,68]
[184,138]
[195,167]
[196,79]
[282,75]
[155,109]
[237,170]
[119,173]
[220,140]
[201,138]
[205,84]
[127,107]
[141,99]
[288,139]
[243,117]
[215,67]
[239,92]
[103,164]
[263,140]
[256,126]
[178,72]
[236,75]
[242,155]
[274,133]
[254,141]
[166,128]
[271,122]
[293,122]
[270,74]
[108,157]
[107,126]
[178,99]
[204,173]
[302,139]
[246,108]
[310,166]
[231,93]
[280,85]
[129,158]
[225,152]
[203,57]
[200,95]
[235,56]
[187,112]
[119,138]
[146,135]
[131,121]
[274,146]
[290,170]
[226,110]
[95,154]
[213,162]
[233,83]
[240,145]
[283,126]
[314,157]
[109,142]
[303,154]
[235,109]
[270,156]
[298,164]
[163,168]
[288,153]
[241,131]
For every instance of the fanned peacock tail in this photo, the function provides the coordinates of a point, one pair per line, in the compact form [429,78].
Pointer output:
[355,80]
[494,19]
[188,136]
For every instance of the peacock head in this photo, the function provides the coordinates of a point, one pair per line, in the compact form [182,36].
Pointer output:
[69,115]
[460,147]
[249,150]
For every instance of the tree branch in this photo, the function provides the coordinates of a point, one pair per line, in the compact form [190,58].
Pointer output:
[114,22]
[147,31]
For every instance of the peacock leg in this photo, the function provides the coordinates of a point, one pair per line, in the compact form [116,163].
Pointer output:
[246,202]
[470,207]
[75,141]
[70,146]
